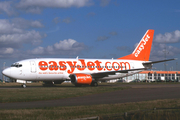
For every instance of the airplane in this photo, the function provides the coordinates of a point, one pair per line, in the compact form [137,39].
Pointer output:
[84,71]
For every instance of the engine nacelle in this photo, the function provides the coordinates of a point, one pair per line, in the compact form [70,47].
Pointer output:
[81,79]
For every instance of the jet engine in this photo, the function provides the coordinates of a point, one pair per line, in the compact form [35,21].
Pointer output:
[81,79]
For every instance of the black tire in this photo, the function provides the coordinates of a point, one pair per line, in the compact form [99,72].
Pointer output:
[24,85]
[94,84]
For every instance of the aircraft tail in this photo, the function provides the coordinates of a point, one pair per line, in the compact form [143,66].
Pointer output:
[143,49]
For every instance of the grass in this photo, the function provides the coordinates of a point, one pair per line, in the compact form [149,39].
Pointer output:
[135,111]
[36,93]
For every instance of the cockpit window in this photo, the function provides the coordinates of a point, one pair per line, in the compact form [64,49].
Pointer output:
[16,65]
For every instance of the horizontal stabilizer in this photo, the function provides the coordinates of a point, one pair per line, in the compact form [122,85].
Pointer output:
[152,62]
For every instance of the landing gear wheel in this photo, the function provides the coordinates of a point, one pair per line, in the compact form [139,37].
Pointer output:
[24,85]
[95,84]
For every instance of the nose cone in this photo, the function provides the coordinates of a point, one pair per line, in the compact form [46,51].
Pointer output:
[7,72]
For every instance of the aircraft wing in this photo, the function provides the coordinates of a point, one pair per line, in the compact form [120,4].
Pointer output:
[105,74]
[146,64]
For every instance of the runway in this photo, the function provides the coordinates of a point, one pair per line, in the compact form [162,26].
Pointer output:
[136,93]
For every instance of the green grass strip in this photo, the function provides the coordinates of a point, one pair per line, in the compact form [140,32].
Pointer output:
[18,94]
[135,111]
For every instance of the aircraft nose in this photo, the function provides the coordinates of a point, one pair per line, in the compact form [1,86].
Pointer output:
[7,72]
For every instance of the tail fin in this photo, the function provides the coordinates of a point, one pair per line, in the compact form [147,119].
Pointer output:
[143,49]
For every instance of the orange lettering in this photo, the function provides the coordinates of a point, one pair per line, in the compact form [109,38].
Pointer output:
[62,65]
[107,66]
[90,65]
[125,65]
[98,65]
[53,66]
[114,66]
[72,66]
[81,67]
[43,65]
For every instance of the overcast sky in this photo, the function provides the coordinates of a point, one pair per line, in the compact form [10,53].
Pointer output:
[88,29]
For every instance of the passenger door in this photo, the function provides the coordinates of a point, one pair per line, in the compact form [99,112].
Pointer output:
[33,70]
[33,66]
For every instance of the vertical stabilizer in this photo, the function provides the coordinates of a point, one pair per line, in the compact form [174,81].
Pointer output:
[143,49]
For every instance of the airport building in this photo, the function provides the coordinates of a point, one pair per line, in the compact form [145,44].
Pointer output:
[152,76]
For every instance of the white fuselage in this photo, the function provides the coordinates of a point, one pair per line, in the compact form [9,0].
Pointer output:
[45,69]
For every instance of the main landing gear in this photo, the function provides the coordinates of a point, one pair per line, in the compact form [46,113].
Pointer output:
[95,84]
[24,85]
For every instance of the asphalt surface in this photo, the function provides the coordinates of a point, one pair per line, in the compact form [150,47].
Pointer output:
[135,94]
